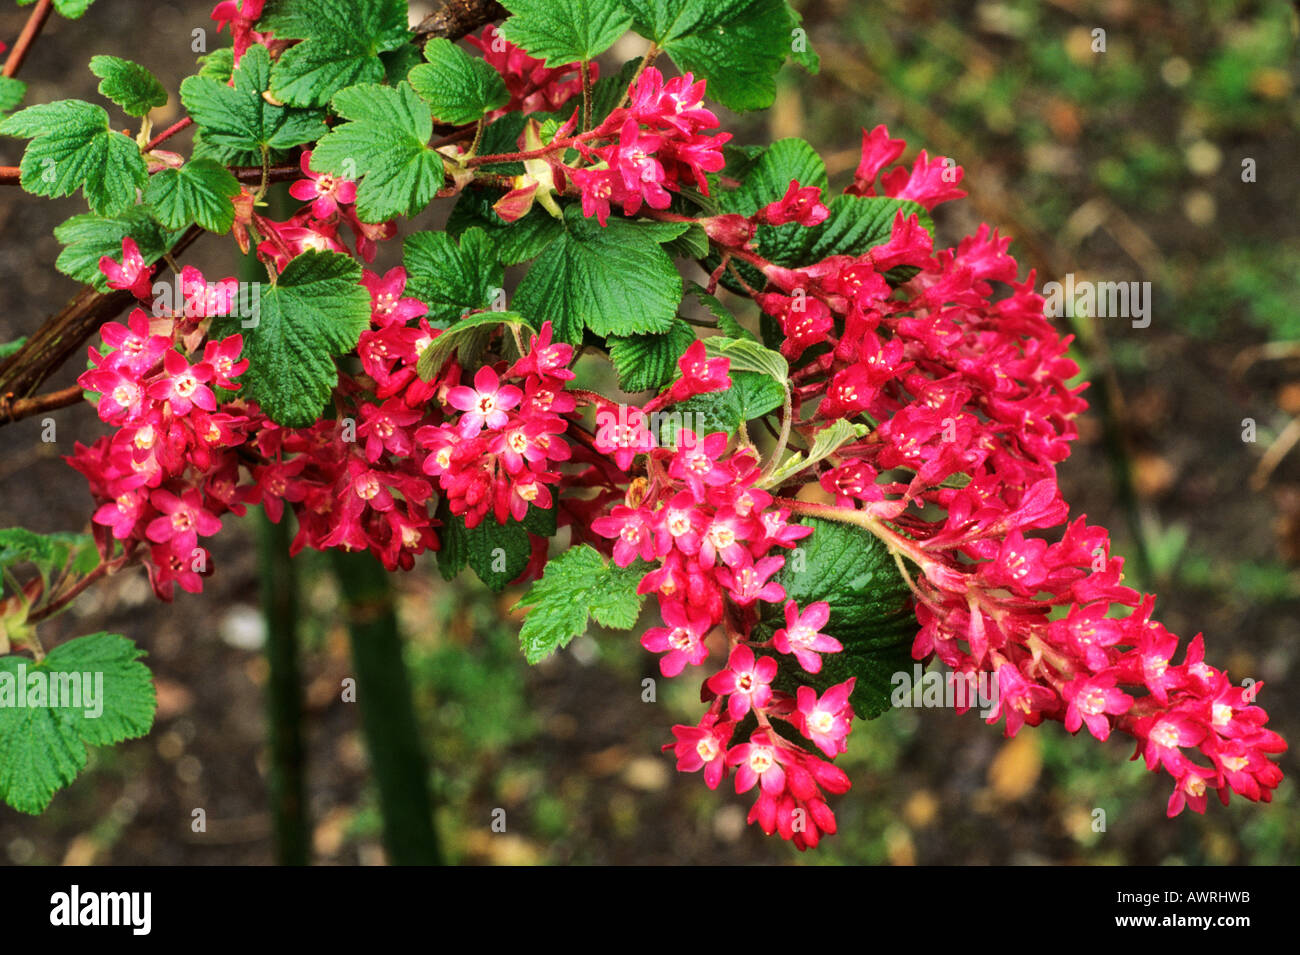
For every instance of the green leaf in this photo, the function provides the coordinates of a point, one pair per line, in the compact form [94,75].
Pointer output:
[648,362]
[385,146]
[727,323]
[825,443]
[514,242]
[200,191]
[459,88]
[12,92]
[236,123]
[496,553]
[737,45]
[315,310]
[73,148]
[768,178]
[128,84]
[104,695]
[565,31]
[855,224]
[72,9]
[342,43]
[614,280]
[452,278]
[399,62]
[88,238]
[12,348]
[576,585]
[871,611]
[746,354]
[608,91]
[750,396]
[219,64]
[468,337]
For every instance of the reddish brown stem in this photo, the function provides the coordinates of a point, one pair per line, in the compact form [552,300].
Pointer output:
[167,133]
[31,29]
[54,606]
[26,407]
[62,335]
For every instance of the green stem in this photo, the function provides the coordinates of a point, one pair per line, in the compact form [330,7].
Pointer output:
[284,694]
[387,713]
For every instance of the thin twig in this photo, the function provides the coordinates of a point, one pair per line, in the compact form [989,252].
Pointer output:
[31,29]
[27,407]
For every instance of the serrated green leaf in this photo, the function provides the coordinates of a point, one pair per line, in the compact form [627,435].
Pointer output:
[825,443]
[855,224]
[514,242]
[43,746]
[73,148]
[576,585]
[648,362]
[342,43]
[452,277]
[12,92]
[236,123]
[614,280]
[727,323]
[737,45]
[200,191]
[871,611]
[219,64]
[399,62]
[768,177]
[18,545]
[316,309]
[467,337]
[496,553]
[459,88]
[384,144]
[565,31]
[88,238]
[750,396]
[128,84]
[748,355]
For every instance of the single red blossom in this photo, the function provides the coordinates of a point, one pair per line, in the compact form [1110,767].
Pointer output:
[746,682]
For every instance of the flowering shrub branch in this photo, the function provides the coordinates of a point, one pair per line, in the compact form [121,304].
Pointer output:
[857,471]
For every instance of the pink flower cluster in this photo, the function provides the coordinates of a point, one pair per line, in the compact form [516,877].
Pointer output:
[711,540]
[170,469]
[332,205]
[497,455]
[959,382]
[533,87]
[658,145]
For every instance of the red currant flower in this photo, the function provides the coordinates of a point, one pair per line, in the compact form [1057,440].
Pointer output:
[758,761]
[799,204]
[682,641]
[746,680]
[801,637]
[184,386]
[324,191]
[825,721]
[703,747]
[387,306]
[486,404]
[133,274]
[1090,699]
